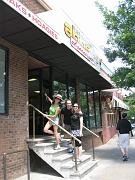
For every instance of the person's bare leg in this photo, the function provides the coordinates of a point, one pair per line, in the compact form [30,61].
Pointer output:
[122,151]
[79,151]
[126,151]
[56,134]
[46,128]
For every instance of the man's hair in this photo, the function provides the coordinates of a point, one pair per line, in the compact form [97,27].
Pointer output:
[68,100]
[124,115]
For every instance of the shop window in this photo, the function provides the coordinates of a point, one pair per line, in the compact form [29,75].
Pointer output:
[83,104]
[60,88]
[111,119]
[3,81]
[71,90]
[91,110]
[98,118]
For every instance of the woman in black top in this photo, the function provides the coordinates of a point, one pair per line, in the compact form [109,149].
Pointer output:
[76,128]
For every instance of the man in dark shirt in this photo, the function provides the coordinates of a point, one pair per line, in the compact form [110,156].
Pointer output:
[124,128]
[66,114]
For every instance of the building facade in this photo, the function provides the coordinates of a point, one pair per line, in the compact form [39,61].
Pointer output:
[34,60]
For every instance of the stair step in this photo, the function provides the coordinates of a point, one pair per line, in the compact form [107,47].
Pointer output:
[35,140]
[63,157]
[71,164]
[83,170]
[44,144]
[60,160]
[57,152]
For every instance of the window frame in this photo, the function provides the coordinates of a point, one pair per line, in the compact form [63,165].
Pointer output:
[6,88]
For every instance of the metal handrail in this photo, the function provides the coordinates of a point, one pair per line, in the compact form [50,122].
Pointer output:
[92,133]
[5,163]
[74,138]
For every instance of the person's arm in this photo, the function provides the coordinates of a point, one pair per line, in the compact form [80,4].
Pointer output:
[49,99]
[62,120]
[81,125]
[118,127]
[131,132]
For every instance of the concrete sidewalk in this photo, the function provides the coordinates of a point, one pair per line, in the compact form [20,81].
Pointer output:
[110,165]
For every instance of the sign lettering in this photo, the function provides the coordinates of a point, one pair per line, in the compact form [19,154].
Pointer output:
[21,9]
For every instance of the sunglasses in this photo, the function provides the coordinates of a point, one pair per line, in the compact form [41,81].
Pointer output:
[75,106]
[58,98]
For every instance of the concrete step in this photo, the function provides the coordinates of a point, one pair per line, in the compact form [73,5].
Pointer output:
[69,167]
[71,164]
[83,170]
[63,158]
[61,161]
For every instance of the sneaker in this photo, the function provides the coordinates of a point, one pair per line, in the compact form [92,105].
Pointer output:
[125,158]
[70,150]
[78,160]
[57,147]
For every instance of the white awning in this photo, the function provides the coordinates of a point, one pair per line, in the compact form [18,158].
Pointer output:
[119,103]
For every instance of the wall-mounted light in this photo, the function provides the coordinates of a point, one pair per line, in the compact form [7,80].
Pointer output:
[37,92]
[32,79]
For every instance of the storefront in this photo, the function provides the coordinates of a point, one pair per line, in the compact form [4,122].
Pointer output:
[35,60]
[112,109]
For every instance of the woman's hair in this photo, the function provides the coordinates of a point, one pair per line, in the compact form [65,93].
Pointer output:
[53,101]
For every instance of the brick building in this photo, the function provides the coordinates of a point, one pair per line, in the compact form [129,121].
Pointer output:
[34,61]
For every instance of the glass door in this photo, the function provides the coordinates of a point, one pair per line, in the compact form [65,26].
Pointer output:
[38,85]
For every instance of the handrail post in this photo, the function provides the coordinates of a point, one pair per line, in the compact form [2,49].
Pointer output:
[33,123]
[28,164]
[4,166]
[93,149]
[75,156]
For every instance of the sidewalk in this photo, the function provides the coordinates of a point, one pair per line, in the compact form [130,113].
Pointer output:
[110,165]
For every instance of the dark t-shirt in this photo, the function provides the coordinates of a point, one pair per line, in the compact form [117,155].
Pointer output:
[75,121]
[124,126]
[67,115]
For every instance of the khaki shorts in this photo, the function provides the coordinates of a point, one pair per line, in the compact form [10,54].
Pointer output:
[123,140]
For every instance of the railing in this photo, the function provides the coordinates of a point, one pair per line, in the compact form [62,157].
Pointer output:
[5,163]
[45,115]
[74,138]
[92,134]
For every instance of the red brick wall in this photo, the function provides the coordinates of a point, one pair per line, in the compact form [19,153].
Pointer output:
[108,133]
[14,126]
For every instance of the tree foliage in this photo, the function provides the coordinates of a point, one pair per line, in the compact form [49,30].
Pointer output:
[130,101]
[121,41]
